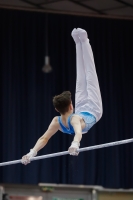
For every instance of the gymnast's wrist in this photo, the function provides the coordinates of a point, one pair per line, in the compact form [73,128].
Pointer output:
[32,153]
[75,144]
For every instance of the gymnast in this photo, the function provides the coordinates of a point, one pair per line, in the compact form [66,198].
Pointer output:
[88,102]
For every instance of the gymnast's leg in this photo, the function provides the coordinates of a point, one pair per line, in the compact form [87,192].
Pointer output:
[93,91]
[81,92]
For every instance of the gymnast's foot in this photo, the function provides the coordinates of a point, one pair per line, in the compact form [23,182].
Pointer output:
[75,36]
[82,34]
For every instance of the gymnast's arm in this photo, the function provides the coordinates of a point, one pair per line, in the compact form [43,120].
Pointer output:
[52,129]
[76,123]
[42,141]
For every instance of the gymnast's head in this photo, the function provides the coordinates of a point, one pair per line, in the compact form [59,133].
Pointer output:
[63,103]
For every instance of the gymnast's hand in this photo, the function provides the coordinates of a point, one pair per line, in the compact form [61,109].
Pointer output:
[73,149]
[26,159]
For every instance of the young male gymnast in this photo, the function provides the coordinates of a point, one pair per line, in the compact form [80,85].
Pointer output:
[88,103]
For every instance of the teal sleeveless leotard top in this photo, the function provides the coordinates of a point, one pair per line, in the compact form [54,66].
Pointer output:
[89,119]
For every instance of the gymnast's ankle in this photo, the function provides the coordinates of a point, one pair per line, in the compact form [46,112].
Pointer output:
[75,36]
[82,35]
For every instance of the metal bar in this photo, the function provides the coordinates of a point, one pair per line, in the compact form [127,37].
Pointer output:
[33,4]
[125,3]
[49,2]
[113,8]
[66,152]
[87,7]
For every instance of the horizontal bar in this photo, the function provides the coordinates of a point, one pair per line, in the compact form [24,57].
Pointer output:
[67,152]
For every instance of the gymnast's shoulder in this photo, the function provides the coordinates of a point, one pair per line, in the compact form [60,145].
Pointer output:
[54,123]
[55,119]
[76,117]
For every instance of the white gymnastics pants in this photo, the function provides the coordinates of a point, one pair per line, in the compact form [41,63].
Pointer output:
[87,96]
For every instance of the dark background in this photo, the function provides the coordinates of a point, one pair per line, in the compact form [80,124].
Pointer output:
[26,98]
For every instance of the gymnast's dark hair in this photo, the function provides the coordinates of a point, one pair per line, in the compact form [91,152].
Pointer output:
[61,102]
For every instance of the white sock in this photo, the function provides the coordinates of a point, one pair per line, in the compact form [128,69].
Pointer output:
[75,36]
[82,35]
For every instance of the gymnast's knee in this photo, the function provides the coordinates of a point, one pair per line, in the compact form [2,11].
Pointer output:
[100,114]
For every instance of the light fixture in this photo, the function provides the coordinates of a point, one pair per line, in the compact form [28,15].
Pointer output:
[47,67]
